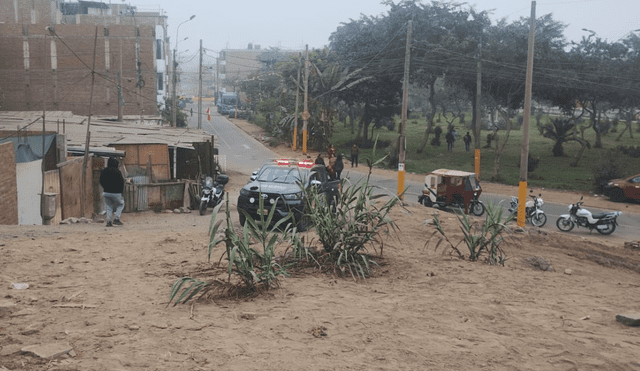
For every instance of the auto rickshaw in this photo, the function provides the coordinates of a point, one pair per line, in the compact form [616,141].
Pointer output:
[452,189]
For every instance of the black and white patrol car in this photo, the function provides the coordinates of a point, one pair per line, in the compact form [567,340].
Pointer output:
[279,183]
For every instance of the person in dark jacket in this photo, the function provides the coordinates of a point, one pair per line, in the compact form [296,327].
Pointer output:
[319,160]
[112,183]
[354,155]
[338,166]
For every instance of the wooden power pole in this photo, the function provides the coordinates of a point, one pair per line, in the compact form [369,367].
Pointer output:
[524,151]
[295,123]
[478,110]
[402,140]
[85,162]
[305,113]
[200,89]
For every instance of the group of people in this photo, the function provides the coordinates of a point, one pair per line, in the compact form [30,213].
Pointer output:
[336,163]
[451,137]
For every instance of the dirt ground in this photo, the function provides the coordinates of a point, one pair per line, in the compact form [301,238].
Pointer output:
[102,293]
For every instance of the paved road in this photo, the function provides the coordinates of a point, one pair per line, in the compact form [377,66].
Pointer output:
[245,154]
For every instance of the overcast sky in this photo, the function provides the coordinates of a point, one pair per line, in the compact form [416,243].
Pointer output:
[290,24]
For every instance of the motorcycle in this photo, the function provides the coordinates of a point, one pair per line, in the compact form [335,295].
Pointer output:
[533,212]
[604,223]
[212,192]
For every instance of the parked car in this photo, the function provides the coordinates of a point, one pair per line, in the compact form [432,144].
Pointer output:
[619,190]
[279,184]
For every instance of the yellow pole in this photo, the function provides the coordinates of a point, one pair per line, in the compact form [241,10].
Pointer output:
[477,163]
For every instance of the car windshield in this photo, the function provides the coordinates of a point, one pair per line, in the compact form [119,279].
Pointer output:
[276,174]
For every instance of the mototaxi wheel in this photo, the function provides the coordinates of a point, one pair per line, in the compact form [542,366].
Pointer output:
[539,220]
[242,218]
[607,231]
[426,201]
[477,208]
[564,224]
[203,208]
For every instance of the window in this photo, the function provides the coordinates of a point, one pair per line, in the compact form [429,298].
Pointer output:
[160,81]
[158,49]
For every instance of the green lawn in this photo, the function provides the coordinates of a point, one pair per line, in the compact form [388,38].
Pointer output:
[552,172]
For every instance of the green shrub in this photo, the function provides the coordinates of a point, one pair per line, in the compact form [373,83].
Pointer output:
[483,238]
[258,270]
[608,166]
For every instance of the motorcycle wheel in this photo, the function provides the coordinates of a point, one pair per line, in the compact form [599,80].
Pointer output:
[539,220]
[610,228]
[203,208]
[564,224]
[477,208]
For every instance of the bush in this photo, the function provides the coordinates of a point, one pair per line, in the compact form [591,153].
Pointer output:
[257,270]
[481,238]
[608,166]
[348,224]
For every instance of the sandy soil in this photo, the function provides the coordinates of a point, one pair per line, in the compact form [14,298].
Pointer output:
[103,292]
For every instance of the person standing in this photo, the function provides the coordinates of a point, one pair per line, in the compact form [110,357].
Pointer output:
[455,135]
[319,160]
[467,141]
[449,137]
[338,166]
[354,155]
[112,183]
[331,152]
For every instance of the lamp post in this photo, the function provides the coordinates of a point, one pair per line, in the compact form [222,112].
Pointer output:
[174,70]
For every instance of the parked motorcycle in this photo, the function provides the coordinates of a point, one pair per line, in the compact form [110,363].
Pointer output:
[604,223]
[212,192]
[533,212]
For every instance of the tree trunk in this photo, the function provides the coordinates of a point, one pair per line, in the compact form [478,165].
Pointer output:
[499,148]
[558,150]
[593,115]
[427,132]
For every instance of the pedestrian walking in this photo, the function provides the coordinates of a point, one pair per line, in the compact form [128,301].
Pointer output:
[449,138]
[467,141]
[354,155]
[112,183]
[338,166]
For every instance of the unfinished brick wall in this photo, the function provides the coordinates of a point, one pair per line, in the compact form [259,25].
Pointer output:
[8,187]
[63,65]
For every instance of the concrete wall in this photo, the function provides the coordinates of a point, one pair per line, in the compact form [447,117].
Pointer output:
[8,185]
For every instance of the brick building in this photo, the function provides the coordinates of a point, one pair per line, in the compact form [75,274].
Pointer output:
[48,47]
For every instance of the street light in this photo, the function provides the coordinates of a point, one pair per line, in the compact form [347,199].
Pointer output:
[175,103]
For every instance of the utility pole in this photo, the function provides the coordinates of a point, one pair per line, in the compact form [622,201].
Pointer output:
[295,124]
[120,99]
[85,162]
[44,119]
[200,89]
[173,94]
[478,110]
[524,151]
[402,140]
[305,113]
[215,100]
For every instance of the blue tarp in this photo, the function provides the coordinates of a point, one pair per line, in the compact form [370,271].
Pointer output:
[29,148]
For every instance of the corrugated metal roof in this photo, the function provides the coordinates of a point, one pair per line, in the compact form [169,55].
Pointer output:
[104,132]
[447,172]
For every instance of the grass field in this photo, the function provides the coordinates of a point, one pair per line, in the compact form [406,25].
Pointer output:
[552,172]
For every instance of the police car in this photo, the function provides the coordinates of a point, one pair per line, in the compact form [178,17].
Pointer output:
[279,183]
